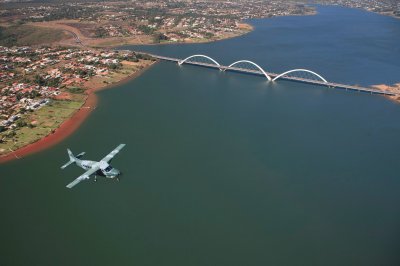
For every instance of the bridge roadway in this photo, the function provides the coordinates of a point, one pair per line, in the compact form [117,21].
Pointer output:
[273,75]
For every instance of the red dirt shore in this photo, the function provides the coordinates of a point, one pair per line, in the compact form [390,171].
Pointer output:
[68,126]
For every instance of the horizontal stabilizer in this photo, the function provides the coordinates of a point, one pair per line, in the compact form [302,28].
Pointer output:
[67,164]
[80,155]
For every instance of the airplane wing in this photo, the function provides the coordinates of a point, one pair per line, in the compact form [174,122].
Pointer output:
[113,153]
[84,176]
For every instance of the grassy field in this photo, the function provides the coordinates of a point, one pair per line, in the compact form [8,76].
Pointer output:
[20,35]
[47,119]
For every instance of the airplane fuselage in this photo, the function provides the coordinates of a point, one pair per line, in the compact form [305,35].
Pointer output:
[85,164]
[105,170]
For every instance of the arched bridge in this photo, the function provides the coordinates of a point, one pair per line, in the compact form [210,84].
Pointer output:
[241,62]
[300,71]
[188,59]
[246,66]
[249,67]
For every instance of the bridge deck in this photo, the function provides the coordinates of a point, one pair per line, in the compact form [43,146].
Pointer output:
[273,75]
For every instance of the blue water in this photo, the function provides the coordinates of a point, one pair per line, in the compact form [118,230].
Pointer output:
[343,45]
[225,168]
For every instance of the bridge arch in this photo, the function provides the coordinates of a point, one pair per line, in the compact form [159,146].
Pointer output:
[300,70]
[252,63]
[199,55]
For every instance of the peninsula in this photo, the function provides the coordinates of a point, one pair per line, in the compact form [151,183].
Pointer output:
[55,55]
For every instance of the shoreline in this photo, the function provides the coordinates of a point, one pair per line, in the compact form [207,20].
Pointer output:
[395,88]
[71,124]
[204,41]
[113,42]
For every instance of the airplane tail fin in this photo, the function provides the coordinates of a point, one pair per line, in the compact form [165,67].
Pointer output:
[72,158]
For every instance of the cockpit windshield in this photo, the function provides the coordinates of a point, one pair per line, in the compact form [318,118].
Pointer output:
[108,169]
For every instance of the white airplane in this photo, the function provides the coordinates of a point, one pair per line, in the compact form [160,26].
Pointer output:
[101,168]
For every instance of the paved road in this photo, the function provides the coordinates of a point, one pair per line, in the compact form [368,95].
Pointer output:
[76,37]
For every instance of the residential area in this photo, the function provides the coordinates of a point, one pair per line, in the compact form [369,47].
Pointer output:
[119,22]
[385,7]
[53,81]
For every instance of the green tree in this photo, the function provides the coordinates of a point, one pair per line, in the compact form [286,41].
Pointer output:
[21,123]
[158,37]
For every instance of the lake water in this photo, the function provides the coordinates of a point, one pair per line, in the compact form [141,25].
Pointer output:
[225,168]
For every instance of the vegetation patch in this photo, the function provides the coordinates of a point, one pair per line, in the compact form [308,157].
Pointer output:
[76,90]
[34,126]
[21,35]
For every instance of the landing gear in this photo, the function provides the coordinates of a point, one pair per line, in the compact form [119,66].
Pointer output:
[95,178]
